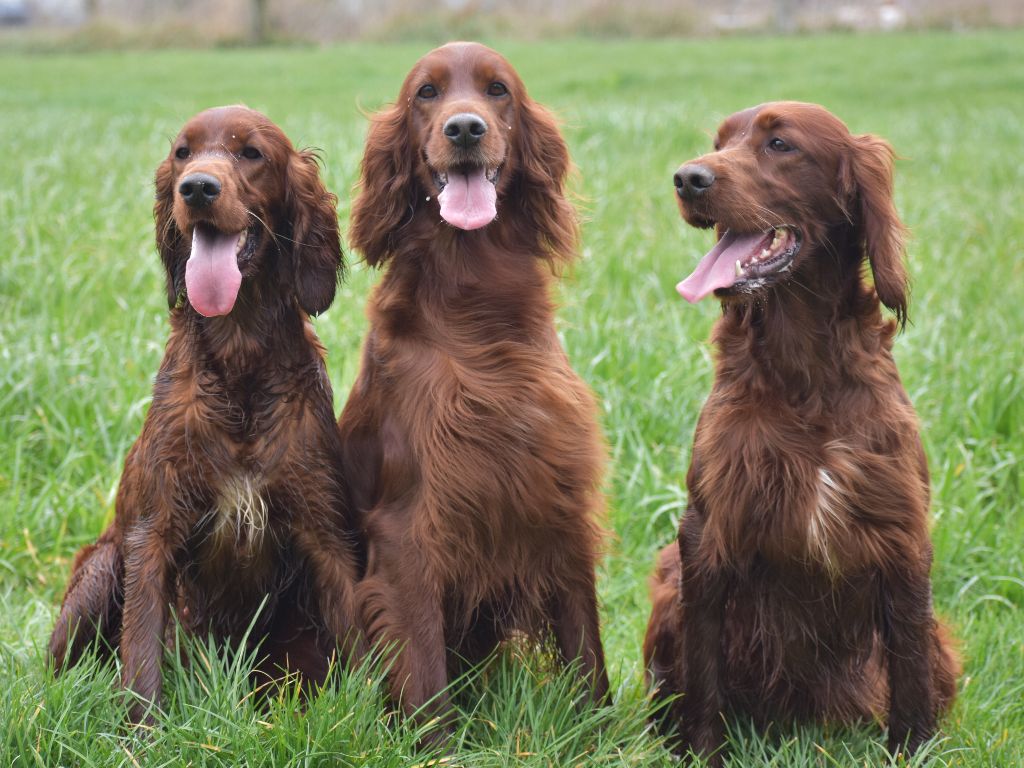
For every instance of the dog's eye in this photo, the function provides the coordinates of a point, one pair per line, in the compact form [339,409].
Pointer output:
[779,145]
[427,92]
[251,153]
[182,153]
[497,89]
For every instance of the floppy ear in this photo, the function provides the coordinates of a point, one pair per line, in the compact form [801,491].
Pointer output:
[169,241]
[315,243]
[868,178]
[542,164]
[386,188]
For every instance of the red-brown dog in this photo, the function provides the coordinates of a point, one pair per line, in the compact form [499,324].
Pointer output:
[800,584]
[231,504]
[472,447]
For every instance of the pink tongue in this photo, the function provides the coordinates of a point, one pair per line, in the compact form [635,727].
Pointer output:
[211,273]
[718,268]
[468,200]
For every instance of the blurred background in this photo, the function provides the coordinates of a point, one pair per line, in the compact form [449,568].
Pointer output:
[92,93]
[126,23]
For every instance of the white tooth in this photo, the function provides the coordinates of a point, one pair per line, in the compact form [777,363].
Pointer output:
[765,253]
[739,269]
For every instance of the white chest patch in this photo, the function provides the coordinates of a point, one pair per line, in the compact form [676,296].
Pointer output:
[241,510]
[828,517]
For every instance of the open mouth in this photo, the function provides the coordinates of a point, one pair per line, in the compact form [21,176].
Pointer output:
[212,272]
[441,177]
[467,195]
[243,243]
[247,244]
[742,263]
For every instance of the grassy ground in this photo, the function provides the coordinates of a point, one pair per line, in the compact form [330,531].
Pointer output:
[83,322]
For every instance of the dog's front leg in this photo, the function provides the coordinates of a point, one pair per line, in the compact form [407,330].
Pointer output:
[148,588]
[403,616]
[702,595]
[908,629]
[578,632]
[332,563]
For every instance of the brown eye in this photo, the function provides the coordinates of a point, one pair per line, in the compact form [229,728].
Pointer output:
[427,92]
[251,153]
[779,145]
[182,153]
[497,89]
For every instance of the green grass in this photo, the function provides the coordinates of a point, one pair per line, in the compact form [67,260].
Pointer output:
[83,323]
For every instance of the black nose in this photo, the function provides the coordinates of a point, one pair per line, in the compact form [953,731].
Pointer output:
[198,190]
[465,129]
[692,180]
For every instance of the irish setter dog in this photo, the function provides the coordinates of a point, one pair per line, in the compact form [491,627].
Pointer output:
[471,447]
[231,505]
[800,586]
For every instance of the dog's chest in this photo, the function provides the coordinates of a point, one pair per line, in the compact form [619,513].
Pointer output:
[239,516]
[506,460]
[828,517]
[776,494]
[802,513]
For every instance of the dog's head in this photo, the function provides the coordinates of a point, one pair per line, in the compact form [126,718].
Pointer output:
[466,145]
[234,201]
[785,180]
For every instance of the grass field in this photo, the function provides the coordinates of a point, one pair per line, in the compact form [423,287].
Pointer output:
[83,323]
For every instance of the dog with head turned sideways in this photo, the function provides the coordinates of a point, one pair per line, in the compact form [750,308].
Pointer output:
[799,587]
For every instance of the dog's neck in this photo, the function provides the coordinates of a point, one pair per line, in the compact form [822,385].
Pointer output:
[795,340]
[265,331]
[469,279]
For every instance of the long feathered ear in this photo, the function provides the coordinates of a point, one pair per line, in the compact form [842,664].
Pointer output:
[169,241]
[387,186]
[542,164]
[316,244]
[868,178]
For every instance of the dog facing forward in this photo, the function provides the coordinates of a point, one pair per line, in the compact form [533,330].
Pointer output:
[472,448]
[231,506]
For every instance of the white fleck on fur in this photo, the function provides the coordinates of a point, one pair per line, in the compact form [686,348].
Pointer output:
[241,509]
[827,517]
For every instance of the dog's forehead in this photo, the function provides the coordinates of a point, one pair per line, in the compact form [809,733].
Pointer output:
[778,115]
[737,124]
[463,61]
[800,115]
[232,124]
